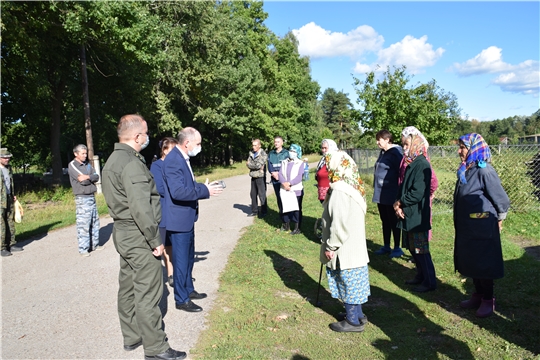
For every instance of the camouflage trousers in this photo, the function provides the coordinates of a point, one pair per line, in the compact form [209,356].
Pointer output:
[8,226]
[87,223]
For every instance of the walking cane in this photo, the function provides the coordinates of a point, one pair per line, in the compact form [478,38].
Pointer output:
[317,303]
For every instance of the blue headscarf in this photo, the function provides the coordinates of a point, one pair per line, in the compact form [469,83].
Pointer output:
[297,149]
[479,154]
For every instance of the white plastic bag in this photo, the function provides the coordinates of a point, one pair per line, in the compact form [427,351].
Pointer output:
[19,212]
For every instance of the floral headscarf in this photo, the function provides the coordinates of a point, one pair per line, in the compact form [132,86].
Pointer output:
[479,154]
[297,149]
[332,146]
[419,144]
[341,167]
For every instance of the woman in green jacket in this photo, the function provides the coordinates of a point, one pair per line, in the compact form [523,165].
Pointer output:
[413,211]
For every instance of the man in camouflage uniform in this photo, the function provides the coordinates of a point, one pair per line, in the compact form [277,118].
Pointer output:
[7,201]
[133,202]
[256,164]
[83,180]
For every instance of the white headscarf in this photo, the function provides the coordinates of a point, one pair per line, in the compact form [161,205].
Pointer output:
[332,146]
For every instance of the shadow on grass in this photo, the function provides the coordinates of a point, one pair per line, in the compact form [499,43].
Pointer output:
[36,234]
[414,328]
[517,313]
[295,278]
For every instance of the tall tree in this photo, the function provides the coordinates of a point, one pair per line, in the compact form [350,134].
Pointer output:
[392,104]
[338,116]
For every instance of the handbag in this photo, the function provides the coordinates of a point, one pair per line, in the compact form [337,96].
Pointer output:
[19,212]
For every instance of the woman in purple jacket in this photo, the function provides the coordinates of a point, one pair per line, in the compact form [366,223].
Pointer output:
[290,177]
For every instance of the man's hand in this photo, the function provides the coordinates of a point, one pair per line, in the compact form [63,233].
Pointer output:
[158,251]
[214,188]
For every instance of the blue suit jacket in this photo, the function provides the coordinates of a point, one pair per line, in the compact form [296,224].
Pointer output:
[182,193]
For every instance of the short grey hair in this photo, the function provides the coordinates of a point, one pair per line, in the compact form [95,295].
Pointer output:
[188,133]
[79,147]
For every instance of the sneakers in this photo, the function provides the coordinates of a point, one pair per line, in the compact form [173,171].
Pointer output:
[397,252]
[170,354]
[99,247]
[85,254]
[383,250]
[5,253]
[16,248]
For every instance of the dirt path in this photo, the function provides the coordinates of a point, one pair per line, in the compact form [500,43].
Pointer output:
[58,305]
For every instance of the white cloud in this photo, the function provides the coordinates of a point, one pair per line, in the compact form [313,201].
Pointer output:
[316,42]
[415,54]
[488,61]
[522,78]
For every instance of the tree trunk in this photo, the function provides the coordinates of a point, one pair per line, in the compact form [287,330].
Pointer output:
[56,107]
[86,105]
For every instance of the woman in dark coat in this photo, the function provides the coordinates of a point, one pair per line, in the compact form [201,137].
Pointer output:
[385,189]
[480,206]
[414,211]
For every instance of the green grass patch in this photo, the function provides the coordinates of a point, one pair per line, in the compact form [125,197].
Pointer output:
[265,308]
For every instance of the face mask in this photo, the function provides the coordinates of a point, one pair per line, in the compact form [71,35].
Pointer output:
[293,155]
[143,146]
[195,151]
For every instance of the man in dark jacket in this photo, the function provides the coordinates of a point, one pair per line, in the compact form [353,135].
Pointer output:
[8,210]
[83,180]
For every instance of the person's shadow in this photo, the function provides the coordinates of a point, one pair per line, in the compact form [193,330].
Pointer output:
[294,277]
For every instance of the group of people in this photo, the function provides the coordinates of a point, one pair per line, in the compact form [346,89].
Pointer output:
[404,187]
[287,171]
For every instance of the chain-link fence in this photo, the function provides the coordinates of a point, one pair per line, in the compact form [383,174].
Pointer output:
[518,167]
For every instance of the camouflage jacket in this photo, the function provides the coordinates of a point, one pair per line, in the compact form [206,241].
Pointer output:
[3,191]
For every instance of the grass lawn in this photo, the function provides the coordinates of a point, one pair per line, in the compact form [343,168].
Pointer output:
[265,308]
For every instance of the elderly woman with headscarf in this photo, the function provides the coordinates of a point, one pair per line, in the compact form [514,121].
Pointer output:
[292,190]
[321,175]
[411,130]
[414,212]
[480,206]
[343,247]
[385,188]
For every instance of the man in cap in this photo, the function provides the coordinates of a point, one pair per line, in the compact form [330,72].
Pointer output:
[133,201]
[7,203]
[83,180]
[256,164]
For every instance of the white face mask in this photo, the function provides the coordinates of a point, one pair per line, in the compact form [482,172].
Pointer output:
[143,146]
[293,155]
[196,150]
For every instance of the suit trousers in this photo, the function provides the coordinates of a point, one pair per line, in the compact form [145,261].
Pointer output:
[183,259]
[140,291]
[258,188]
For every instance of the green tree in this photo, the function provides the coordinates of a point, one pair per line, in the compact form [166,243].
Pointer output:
[392,104]
[338,115]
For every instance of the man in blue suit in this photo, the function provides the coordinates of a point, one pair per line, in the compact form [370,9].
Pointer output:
[180,211]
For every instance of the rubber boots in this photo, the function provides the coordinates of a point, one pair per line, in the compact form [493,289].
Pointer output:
[285,226]
[486,308]
[473,303]
[296,230]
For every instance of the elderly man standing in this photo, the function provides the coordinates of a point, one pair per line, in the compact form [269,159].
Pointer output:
[133,201]
[275,157]
[181,211]
[83,180]
[256,164]
[8,209]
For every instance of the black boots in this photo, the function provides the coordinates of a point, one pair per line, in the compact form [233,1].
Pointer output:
[285,226]
[296,230]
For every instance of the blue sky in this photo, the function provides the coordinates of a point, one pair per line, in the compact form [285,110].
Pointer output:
[485,53]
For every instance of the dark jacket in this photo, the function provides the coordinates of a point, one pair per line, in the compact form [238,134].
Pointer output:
[414,196]
[86,187]
[386,175]
[274,161]
[182,193]
[478,206]
[132,199]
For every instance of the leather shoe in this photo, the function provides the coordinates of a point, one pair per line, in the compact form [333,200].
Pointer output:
[252,214]
[414,281]
[133,347]
[422,289]
[345,326]
[170,354]
[197,296]
[190,306]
